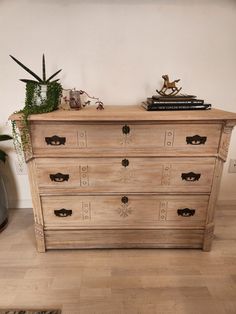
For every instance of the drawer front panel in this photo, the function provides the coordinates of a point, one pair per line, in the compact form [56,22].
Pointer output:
[124,211]
[125,174]
[65,239]
[103,139]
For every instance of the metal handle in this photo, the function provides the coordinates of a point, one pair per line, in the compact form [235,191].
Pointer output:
[59,177]
[125,162]
[126,129]
[190,176]
[55,140]
[196,140]
[185,212]
[124,199]
[63,212]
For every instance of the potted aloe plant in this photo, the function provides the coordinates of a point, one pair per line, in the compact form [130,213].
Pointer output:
[42,95]
[3,206]
[41,91]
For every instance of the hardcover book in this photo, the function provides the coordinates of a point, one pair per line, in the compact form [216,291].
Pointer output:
[159,107]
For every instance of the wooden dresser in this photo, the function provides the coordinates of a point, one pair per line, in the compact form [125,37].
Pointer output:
[124,177]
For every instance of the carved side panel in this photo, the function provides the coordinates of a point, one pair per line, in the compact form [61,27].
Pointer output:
[38,217]
[214,190]
[208,237]
[40,240]
[225,140]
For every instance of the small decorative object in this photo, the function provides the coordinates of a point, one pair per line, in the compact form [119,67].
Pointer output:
[172,101]
[76,101]
[169,86]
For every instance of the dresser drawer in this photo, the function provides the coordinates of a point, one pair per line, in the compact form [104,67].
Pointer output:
[77,139]
[150,238]
[124,211]
[125,174]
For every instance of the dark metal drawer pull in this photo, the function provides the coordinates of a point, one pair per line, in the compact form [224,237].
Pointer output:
[185,212]
[126,129]
[196,140]
[63,212]
[190,176]
[124,199]
[55,140]
[125,162]
[59,177]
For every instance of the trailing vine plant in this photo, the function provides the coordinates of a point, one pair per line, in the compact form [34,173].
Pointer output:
[35,102]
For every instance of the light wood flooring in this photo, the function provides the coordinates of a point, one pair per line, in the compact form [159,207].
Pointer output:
[144,281]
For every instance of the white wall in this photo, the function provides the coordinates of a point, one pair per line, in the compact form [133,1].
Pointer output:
[118,50]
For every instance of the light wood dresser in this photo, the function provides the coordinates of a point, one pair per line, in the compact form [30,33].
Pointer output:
[124,177]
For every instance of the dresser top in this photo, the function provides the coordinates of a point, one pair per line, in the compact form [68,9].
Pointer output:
[130,113]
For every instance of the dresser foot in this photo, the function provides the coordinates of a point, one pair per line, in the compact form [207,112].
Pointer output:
[40,240]
[208,237]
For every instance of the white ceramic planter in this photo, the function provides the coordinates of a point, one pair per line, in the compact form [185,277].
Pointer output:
[40,95]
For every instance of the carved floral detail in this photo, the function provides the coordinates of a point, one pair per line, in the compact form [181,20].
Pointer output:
[125,210]
[166,174]
[86,211]
[84,175]
[163,210]
[126,175]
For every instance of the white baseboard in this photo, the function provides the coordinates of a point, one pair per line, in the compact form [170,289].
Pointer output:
[26,203]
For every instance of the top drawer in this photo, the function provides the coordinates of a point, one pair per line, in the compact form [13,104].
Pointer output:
[112,139]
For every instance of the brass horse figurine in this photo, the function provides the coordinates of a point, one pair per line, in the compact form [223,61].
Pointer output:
[169,86]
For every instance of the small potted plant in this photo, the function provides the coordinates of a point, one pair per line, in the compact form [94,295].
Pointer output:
[41,91]
[42,95]
[3,206]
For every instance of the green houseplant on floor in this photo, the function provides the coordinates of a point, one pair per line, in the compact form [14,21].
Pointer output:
[3,206]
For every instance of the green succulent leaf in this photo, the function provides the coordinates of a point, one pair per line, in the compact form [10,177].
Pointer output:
[52,76]
[55,80]
[2,155]
[5,137]
[29,81]
[27,69]
[44,69]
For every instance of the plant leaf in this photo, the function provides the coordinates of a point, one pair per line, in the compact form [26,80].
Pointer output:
[2,155]
[5,137]
[29,81]
[44,69]
[52,76]
[55,81]
[26,69]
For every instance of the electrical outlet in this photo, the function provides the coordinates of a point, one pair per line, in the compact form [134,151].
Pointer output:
[21,168]
[232,165]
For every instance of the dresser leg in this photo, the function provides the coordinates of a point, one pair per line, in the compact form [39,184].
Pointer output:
[208,237]
[40,240]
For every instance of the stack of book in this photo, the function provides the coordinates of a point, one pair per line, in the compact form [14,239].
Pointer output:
[180,102]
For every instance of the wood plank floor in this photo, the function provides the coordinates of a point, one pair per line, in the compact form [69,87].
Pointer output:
[144,281]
